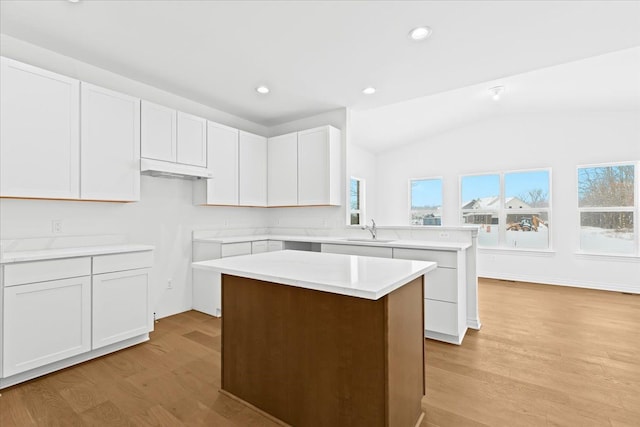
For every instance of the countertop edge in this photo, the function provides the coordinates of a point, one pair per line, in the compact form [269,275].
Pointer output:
[400,243]
[317,286]
[75,252]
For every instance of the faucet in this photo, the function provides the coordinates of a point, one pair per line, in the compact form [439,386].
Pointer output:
[372,229]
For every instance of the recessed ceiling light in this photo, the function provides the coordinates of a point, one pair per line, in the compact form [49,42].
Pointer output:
[74,1]
[420,33]
[496,91]
[262,89]
[369,90]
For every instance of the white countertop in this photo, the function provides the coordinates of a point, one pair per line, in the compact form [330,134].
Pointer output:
[38,255]
[400,243]
[364,277]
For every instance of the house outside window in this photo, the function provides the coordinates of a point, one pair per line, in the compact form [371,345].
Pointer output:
[607,209]
[511,208]
[356,202]
[425,199]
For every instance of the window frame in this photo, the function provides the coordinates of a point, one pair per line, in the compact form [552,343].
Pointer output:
[634,209]
[502,211]
[430,178]
[361,203]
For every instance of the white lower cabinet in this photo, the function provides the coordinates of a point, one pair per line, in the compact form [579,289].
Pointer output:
[441,316]
[120,306]
[444,293]
[207,285]
[45,322]
[58,312]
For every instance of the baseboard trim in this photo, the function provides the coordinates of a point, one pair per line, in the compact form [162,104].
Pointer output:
[558,282]
[65,363]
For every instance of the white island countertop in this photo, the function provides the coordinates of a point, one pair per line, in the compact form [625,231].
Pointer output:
[358,276]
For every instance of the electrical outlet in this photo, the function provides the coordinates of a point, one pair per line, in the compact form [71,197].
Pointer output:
[169,284]
[444,234]
[56,226]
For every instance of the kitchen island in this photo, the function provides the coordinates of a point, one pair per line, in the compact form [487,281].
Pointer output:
[324,339]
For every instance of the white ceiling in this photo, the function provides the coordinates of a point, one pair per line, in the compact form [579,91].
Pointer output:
[318,55]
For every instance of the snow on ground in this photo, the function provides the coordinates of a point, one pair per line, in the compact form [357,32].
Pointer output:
[593,239]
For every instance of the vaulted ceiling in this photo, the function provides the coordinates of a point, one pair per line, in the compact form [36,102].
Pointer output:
[318,55]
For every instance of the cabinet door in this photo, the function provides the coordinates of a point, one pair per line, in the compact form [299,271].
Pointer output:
[40,133]
[282,168]
[252,167]
[110,141]
[192,140]
[45,322]
[120,306]
[319,166]
[158,132]
[222,153]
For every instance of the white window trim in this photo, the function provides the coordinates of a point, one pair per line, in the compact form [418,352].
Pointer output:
[502,211]
[362,201]
[635,209]
[441,178]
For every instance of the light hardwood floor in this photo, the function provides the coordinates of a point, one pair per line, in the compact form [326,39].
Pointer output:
[546,356]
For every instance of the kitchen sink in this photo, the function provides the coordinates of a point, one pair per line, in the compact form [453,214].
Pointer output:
[369,240]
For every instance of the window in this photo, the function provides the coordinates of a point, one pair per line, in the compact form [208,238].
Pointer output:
[526,204]
[356,202]
[426,201]
[511,208]
[481,206]
[606,205]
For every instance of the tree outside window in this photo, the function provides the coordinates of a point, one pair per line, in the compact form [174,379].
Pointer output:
[606,204]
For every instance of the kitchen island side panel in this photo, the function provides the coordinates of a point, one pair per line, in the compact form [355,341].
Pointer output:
[315,358]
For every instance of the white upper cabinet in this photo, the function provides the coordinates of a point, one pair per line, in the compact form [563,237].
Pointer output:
[282,168]
[252,164]
[319,166]
[158,132]
[110,140]
[40,133]
[192,140]
[222,152]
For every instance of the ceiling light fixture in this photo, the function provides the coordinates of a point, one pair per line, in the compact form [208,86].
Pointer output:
[420,33]
[496,91]
[74,1]
[369,90]
[262,89]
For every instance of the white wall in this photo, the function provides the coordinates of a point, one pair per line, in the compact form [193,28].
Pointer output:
[559,141]
[164,217]
[362,164]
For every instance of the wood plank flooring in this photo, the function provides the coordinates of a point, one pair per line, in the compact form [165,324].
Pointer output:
[546,356]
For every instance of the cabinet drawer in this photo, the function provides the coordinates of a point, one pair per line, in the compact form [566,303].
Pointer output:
[121,262]
[42,271]
[441,284]
[235,249]
[440,316]
[275,245]
[259,247]
[443,258]
[374,251]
